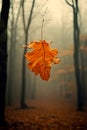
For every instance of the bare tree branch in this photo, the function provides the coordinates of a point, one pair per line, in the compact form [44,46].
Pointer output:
[26,27]
[77,9]
[23,15]
[31,12]
[69,3]
[18,12]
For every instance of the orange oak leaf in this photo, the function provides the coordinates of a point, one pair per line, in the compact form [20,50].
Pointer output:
[41,57]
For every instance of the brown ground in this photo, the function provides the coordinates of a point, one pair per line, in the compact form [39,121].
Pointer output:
[45,116]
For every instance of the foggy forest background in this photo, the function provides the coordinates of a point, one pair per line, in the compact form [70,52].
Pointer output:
[24,26]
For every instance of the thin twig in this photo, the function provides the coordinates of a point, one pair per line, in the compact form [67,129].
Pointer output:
[42,28]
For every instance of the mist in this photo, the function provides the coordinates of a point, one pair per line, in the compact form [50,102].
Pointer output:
[58,27]
[24,88]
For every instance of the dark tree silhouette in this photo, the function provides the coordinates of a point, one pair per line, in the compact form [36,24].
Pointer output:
[3,57]
[26,29]
[76,33]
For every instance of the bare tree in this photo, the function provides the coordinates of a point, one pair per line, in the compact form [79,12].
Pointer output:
[26,29]
[11,67]
[3,57]
[11,56]
[76,32]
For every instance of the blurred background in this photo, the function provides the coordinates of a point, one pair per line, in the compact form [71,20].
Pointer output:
[66,25]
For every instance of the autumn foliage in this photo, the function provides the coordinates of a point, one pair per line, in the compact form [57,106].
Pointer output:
[41,57]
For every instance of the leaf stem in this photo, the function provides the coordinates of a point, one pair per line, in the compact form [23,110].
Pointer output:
[42,28]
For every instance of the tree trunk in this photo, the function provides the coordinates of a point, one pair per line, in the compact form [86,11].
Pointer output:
[76,59]
[3,57]
[11,59]
[23,104]
[76,33]
[26,28]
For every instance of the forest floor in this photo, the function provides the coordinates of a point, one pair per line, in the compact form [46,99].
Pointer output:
[45,116]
